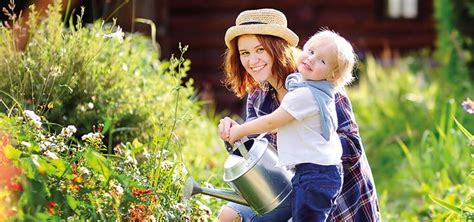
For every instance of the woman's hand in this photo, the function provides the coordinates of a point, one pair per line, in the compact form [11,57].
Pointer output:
[224,127]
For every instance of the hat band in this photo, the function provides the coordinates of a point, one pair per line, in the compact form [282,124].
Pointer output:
[252,23]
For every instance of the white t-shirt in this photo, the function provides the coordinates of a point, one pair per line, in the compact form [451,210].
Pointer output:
[301,141]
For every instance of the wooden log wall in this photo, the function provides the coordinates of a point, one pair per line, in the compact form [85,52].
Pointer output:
[201,24]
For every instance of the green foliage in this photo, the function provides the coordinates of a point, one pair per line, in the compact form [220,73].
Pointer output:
[455,35]
[98,79]
[89,75]
[406,119]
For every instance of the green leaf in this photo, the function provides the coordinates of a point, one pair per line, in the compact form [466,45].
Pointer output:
[98,163]
[71,202]
[446,205]
[11,153]
[28,167]
[464,130]
[42,216]
[59,165]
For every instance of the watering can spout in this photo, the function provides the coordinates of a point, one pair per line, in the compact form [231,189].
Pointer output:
[191,188]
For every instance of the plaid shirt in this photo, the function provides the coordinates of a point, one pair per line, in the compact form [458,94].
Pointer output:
[358,198]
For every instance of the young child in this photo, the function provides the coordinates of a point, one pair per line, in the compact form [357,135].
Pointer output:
[306,121]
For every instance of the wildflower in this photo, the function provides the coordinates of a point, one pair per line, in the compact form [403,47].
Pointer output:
[33,117]
[14,186]
[51,155]
[25,144]
[44,145]
[34,159]
[4,141]
[90,105]
[68,131]
[468,106]
[146,154]
[91,136]
[116,35]
[117,190]
[166,165]
[84,171]
[51,206]
[131,160]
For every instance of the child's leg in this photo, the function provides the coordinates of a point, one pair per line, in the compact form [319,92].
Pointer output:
[315,189]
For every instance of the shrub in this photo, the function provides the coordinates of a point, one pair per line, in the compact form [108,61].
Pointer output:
[96,78]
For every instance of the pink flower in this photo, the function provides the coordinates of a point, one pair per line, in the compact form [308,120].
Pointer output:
[468,105]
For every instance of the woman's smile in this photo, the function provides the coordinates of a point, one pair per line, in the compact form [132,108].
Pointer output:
[255,59]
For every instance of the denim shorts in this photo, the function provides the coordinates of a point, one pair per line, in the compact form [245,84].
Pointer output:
[281,213]
[315,188]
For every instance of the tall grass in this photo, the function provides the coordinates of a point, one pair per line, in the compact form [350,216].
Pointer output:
[406,119]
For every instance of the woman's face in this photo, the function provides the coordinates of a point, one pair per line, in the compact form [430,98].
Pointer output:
[255,59]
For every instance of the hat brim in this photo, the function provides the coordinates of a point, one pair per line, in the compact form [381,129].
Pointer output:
[261,29]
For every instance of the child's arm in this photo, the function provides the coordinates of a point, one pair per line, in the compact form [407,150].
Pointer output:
[274,120]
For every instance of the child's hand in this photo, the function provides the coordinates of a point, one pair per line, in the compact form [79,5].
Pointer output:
[235,133]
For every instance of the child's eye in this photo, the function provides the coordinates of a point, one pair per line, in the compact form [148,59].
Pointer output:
[310,51]
[322,61]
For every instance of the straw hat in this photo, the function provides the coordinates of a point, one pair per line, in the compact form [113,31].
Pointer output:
[264,22]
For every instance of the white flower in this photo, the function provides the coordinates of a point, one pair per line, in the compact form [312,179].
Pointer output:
[34,158]
[68,131]
[25,144]
[91,136]
[116,35]
[130,160]
[118,189]
[33,117]
[146,154]
[90,105]
[44,145]
[51,155]
[84,171]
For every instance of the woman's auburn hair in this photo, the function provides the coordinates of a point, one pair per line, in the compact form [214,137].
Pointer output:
[240,82]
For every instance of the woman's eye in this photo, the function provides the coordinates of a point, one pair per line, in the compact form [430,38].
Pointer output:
[244,53]
[260,50]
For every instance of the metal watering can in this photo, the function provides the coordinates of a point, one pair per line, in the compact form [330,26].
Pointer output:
[251,169]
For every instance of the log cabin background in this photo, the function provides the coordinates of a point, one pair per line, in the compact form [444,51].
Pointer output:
[201,24]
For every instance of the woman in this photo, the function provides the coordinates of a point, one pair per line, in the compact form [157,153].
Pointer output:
[258,60]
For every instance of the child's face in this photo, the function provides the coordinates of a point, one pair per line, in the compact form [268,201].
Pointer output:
[318,59]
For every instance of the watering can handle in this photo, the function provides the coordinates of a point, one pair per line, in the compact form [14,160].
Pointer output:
[228,147]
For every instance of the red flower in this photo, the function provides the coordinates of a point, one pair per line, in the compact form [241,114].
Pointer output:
[4,140]
[51,206]
[14,186]
[73,168]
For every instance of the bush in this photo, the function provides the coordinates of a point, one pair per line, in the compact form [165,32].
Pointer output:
[101,83]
